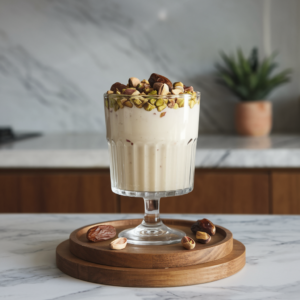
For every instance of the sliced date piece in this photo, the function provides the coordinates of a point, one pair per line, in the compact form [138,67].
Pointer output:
[195,227]
[204,225]
[101,233]
[159,78]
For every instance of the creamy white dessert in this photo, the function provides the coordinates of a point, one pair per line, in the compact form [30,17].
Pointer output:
[150,153]
[152,150]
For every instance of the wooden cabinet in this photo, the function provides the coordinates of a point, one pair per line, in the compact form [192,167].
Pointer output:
[286,192]
[63,191]
[216,191]
[237,191]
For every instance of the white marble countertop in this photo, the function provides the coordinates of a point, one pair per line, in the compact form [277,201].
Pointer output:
[28,269]
[89,150]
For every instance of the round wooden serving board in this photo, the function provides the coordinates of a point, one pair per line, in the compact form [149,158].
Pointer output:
[150,257]
[132,277]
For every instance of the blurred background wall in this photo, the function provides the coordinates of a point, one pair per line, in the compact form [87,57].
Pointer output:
[57,57]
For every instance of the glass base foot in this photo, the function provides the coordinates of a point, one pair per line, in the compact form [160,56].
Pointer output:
[160,234]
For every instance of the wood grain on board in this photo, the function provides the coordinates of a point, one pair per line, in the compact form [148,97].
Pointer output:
[132,277]
[150,257]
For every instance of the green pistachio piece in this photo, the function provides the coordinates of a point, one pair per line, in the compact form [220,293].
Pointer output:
[144,100]
[160,102]
[148,106]
[116,106]
[152,101]
[123,100]
[128,104]
[139,106]
[188,92]
[162,107]
[194,96]
[175,106]
[112,102]
[106,103]
[120,103]
[136,101]
[180,102]
[140,86]
[153,92]
[191,103]
[148,90]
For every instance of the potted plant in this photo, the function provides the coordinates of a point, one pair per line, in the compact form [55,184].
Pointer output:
[251,80]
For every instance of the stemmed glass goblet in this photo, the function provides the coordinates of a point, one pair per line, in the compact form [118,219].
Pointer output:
[152,143]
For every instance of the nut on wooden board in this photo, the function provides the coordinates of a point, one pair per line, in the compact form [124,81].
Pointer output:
[188,243]
[118,244]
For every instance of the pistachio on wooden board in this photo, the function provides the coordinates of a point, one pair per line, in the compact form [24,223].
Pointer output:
[118,244]
[188,243]
[202,237]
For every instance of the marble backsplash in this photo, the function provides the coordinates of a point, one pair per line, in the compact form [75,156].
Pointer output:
[57,57]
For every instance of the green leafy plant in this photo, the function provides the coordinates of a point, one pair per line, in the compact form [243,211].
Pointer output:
[250,79]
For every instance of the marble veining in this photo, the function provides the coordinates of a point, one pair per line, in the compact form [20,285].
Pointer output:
[28,270]
[57,58]
[90,150]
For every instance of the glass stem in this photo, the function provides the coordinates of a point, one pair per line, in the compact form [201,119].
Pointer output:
[151,216]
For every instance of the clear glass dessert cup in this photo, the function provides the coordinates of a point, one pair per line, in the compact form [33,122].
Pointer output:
[152,143]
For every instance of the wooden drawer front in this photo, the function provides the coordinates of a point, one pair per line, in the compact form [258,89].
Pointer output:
[60,191]
[216,191]
[286,192]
